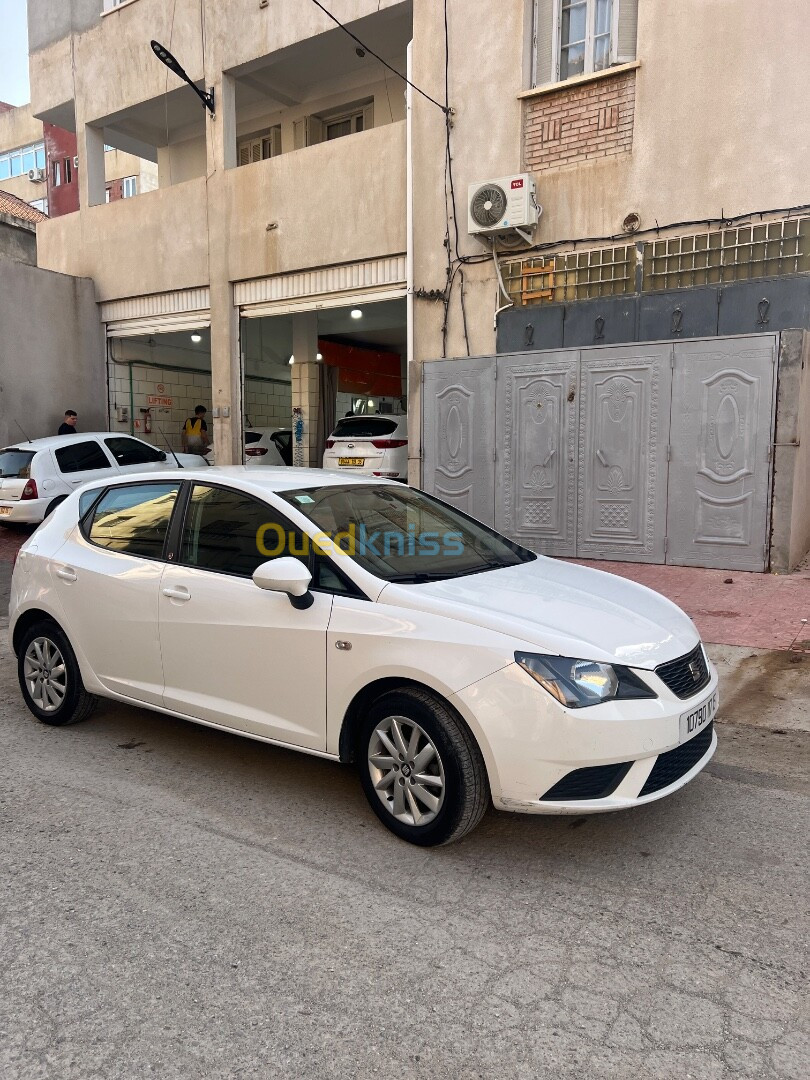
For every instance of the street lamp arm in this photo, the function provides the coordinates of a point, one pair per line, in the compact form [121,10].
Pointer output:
[165,57]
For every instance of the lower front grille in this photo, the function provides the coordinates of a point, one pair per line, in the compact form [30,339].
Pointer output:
[596,782]
[674,764]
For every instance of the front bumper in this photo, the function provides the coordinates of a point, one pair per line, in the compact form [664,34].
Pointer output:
[532,744]
[30,512]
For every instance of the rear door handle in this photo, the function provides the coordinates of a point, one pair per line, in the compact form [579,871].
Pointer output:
[177,592]
[67,573]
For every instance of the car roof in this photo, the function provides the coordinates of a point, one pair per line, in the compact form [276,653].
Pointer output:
[274,479]
[65,440]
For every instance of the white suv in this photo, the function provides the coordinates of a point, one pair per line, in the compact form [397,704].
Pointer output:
[36,476]
[376,445]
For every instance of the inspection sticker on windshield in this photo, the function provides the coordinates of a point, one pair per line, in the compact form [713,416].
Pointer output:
[692,722]
[303,498]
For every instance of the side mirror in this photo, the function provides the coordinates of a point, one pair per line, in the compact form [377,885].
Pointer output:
[161,455]
[286,575]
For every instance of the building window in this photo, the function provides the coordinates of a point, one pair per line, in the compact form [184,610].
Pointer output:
[68,171]
[580,37]
[56,170]
[40,204]
[128,187]
[335,124]
[20,162]
[260,147]
[107,194]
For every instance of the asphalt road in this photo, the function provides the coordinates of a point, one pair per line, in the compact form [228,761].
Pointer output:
[182,903]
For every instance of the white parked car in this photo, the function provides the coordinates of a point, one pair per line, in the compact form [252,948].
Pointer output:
[361,620]
[376,445]
[268,446]
[36,476]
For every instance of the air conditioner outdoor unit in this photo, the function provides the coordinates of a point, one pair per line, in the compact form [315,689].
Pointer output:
[36,176]
[505,209]
[76,162]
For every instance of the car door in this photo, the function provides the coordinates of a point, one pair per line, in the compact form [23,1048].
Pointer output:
[235,654]
[107,579]
[79,462]
[132,455]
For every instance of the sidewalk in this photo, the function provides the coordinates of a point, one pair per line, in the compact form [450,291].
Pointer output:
[729,607]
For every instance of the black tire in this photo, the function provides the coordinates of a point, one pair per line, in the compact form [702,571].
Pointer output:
[458,764]
[49,509]
[76,703]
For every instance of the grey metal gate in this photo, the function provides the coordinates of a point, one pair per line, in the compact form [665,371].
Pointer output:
[719,476]
[643,453]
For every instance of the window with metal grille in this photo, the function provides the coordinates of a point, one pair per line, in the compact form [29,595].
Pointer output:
[575,275]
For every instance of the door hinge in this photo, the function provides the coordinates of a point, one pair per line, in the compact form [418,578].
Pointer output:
[669,452]
[770,451]
[672,357]
[666,544]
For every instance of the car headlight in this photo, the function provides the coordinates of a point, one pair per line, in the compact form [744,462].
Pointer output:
[579,683]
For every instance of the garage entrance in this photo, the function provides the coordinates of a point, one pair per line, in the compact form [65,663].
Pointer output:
[643,453]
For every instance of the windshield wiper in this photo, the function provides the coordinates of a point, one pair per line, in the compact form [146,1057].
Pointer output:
[419,579]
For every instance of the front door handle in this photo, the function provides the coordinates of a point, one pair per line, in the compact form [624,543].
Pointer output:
[67,573]
[177,592]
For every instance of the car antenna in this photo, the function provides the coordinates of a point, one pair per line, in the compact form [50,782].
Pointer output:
[171,449]
[22,429]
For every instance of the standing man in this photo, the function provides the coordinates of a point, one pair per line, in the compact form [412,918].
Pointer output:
[68,425]
[195,432]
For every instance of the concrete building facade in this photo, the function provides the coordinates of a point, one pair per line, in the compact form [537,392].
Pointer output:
[318,187]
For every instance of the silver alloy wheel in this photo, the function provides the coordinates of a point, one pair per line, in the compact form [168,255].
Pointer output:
[406,770]
[45,674]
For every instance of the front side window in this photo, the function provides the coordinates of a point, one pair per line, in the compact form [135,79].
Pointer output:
[134,519]
[81,457]
[131,452]
[232,533]
[403,535]
[128,187]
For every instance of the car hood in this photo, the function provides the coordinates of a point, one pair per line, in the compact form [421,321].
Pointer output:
[562,609]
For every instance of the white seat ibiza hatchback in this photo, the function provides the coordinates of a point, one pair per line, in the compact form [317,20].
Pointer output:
[363,621]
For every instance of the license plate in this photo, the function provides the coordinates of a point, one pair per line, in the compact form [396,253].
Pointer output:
[351,461]
[692,722]
[4,510]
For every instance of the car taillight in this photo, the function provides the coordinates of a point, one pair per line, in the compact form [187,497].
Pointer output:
[330,443]
[256,451]
[29,491]
[388,444]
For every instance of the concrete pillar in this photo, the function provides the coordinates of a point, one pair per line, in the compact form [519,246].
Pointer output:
[226,364]
[305,383]
[93,178]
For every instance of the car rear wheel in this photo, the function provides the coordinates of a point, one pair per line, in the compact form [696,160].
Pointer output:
[49,677]
[421,769]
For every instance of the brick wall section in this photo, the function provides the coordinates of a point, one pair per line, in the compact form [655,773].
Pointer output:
[579,123]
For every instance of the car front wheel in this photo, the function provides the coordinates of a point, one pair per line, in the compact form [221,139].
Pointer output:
[49,677]
[421,769]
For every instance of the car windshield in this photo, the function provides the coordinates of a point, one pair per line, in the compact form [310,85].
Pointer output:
[15,463]
[363,427]
[403,535]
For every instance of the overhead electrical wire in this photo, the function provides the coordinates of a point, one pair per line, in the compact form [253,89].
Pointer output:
[377,56]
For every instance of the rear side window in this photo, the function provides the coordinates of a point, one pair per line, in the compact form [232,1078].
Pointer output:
[131,452]
[252,436]
[364,427]
[81,457]
[232,533]
[134,519]
[15,464]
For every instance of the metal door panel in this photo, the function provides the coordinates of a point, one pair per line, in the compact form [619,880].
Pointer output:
[531,328]
[761,307]
[458,434]
[536,421]
[623,423]
[722,419]
[687,313]
[609,321]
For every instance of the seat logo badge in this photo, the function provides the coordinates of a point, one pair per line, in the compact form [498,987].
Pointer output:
[694,667]
[406,771]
